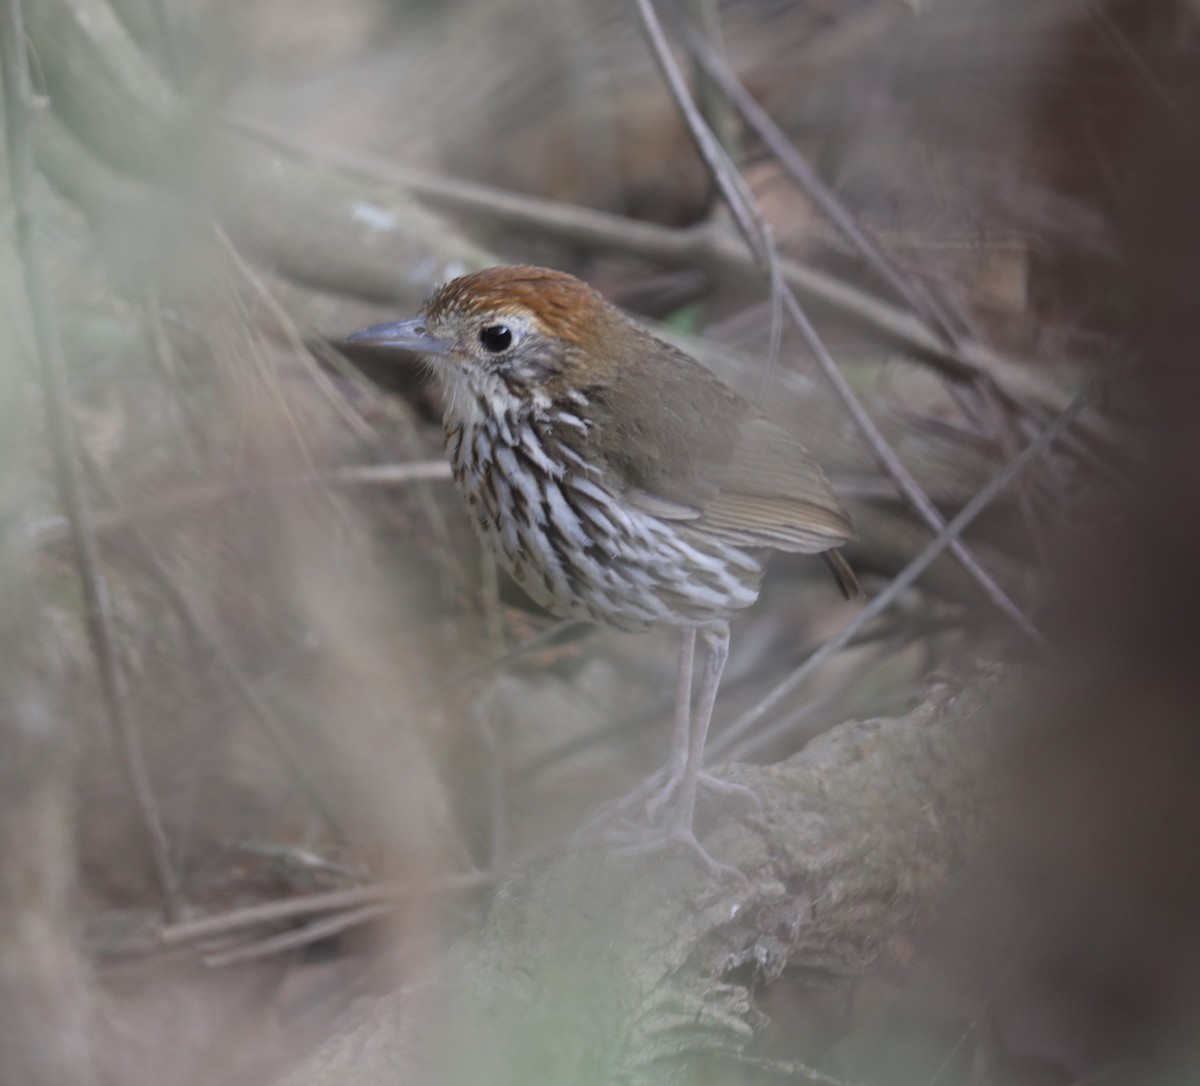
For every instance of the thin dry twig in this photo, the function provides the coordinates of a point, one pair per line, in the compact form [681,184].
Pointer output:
[877,443]
[292,336]
[54,530]
[496,663]
[799,169]
[64,441]
[310,904]
[1002,425]
[903,478]
[108,91]
[1034,451]
[789,724]
[704,246]
[882,631]
[1119,42]
[706,17]
[298,937]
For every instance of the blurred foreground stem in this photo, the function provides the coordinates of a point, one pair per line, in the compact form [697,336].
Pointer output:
[19,105]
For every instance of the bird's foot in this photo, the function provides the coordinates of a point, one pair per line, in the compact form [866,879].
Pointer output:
[618,810]
[658,801]
[616,823]
[654,795]
[647,841]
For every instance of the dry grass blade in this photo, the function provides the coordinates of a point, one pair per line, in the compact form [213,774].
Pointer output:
[209,647]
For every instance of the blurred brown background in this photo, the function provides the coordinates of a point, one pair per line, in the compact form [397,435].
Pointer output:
[316,655]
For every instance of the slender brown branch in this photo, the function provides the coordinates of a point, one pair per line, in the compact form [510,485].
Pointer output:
[707,247]
[911,489]
[798,168]
[882,451]
[337,222]
[1034,451]
[64,442]
[706,17]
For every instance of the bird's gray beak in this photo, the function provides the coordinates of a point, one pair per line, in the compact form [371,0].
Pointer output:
[411,335]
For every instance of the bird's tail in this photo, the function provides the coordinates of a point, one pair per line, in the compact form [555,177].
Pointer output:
[843,574]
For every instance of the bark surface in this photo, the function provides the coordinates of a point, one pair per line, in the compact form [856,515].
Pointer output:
[637,970]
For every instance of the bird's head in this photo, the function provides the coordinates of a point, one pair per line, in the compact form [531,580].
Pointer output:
[516,334]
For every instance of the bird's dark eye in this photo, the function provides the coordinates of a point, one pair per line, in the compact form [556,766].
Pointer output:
[496,337]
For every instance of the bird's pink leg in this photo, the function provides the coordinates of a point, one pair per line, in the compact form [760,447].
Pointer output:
[714,664]
[686,774]
[681,737]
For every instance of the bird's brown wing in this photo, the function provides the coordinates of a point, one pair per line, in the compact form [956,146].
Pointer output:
[684,446]
[773,494]
[665,430]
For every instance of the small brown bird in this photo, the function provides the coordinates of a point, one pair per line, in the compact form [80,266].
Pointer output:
[615,477]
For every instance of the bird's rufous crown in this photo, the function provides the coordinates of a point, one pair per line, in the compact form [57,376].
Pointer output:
[558,304]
